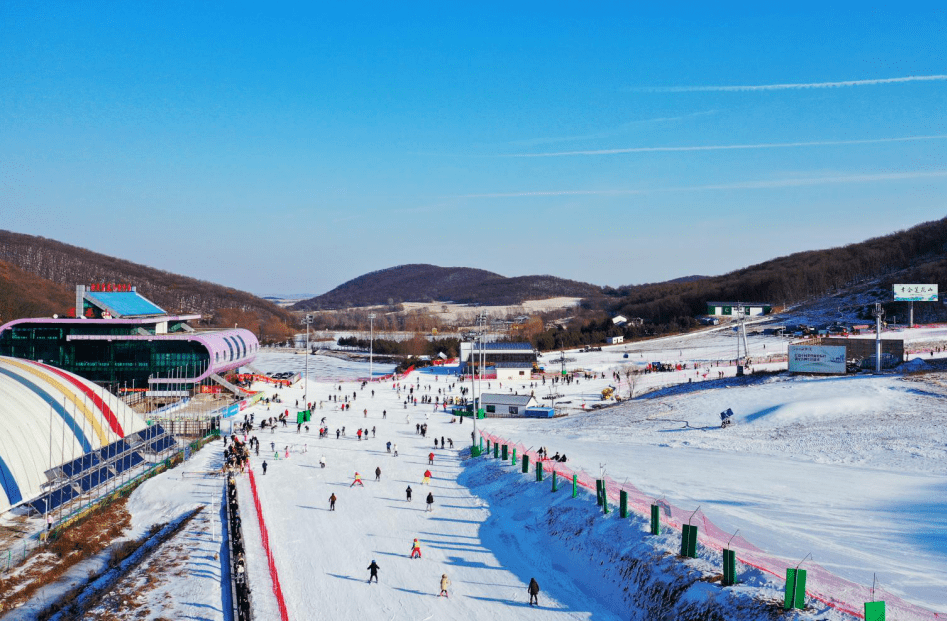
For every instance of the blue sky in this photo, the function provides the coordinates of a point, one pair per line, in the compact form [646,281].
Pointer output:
[287,148]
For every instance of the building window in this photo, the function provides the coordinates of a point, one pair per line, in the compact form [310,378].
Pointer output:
[514,410]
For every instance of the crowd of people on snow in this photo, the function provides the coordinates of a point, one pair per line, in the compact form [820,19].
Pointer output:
[238,560]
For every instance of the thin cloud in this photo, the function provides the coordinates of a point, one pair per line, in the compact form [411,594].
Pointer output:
[781,87]
[729,147]
[624,127]
[740,185]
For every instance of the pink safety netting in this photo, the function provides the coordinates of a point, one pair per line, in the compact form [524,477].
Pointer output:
[821,584]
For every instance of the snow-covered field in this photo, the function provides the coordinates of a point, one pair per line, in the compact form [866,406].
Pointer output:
[849,469]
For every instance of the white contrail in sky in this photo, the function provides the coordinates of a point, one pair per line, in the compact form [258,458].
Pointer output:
[729,147]
[780,87]
[740,185]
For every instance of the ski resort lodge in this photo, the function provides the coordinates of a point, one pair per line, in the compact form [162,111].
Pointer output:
[119,337]
[472,354]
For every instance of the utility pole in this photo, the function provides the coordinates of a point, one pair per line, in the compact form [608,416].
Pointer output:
[371,345]
[879,313]
[911,314]
[306,388]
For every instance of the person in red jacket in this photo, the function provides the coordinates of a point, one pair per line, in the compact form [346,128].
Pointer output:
[427,478]
[416,549]
[430,458]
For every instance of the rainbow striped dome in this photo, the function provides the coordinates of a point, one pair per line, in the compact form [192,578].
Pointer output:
[49,417]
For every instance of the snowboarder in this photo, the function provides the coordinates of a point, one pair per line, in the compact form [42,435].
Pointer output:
[408,492]
[332,500]
[427,478]
[357,481]
[373,568]
[445,582]
[430,501]
[264,466]
[416,548]
[533,590]
[378,473]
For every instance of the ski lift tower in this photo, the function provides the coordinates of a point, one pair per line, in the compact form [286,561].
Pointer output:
[741,360]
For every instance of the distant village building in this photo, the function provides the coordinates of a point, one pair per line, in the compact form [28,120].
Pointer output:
[619,320]
[614,340]
[727,309]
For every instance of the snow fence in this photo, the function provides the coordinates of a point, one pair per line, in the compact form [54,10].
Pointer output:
[274,576]
[822,585]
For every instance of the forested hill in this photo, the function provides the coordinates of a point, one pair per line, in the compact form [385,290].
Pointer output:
[915,255]
[54,268]
[427,283]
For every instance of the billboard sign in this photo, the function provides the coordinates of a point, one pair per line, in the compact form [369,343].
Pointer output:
[817,359]
[915,293]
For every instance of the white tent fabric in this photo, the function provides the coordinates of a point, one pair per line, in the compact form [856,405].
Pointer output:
[47,418]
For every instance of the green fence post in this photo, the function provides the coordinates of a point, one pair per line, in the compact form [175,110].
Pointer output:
[488,446]
[795,589]
[604,499]
[575,485]
[481,445]
[598,492]
[554,485]
[689,541]
[623,504]
[655,520]
[874,611]
[514,456]
[525,464]
[539,471]
[729,567]
[496,451]
[506,452]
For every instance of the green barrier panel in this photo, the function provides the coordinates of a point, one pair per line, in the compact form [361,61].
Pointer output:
[623,504]
[539,471]
[300,418]
[555,487]
[475,451]
[729,567]
[514,456]
[575,485]
[481,413]
[874,611]
[689,541]
[795,589]
[655,520]
[496,450]
[506,453]
[308,415]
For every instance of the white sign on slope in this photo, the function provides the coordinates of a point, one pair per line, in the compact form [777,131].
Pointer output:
[915,293]
[817,359]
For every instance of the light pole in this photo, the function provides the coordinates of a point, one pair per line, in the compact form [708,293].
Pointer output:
[371,345]
[306,385]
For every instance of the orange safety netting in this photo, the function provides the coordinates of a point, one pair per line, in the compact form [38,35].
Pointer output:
[821,584]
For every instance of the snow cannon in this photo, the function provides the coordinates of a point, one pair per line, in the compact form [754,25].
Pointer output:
[725,418]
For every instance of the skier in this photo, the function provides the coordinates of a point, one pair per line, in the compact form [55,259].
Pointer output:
[408,492]
[442,443]
[264,466]
[427,478]
[395,447]
[322,461]
[435,442]
[378,473]
[332,500]
[373,568]
[388,446]
[357,481]
[430,501]
[430,459]
[445,582]
[533,590]
[416,548]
